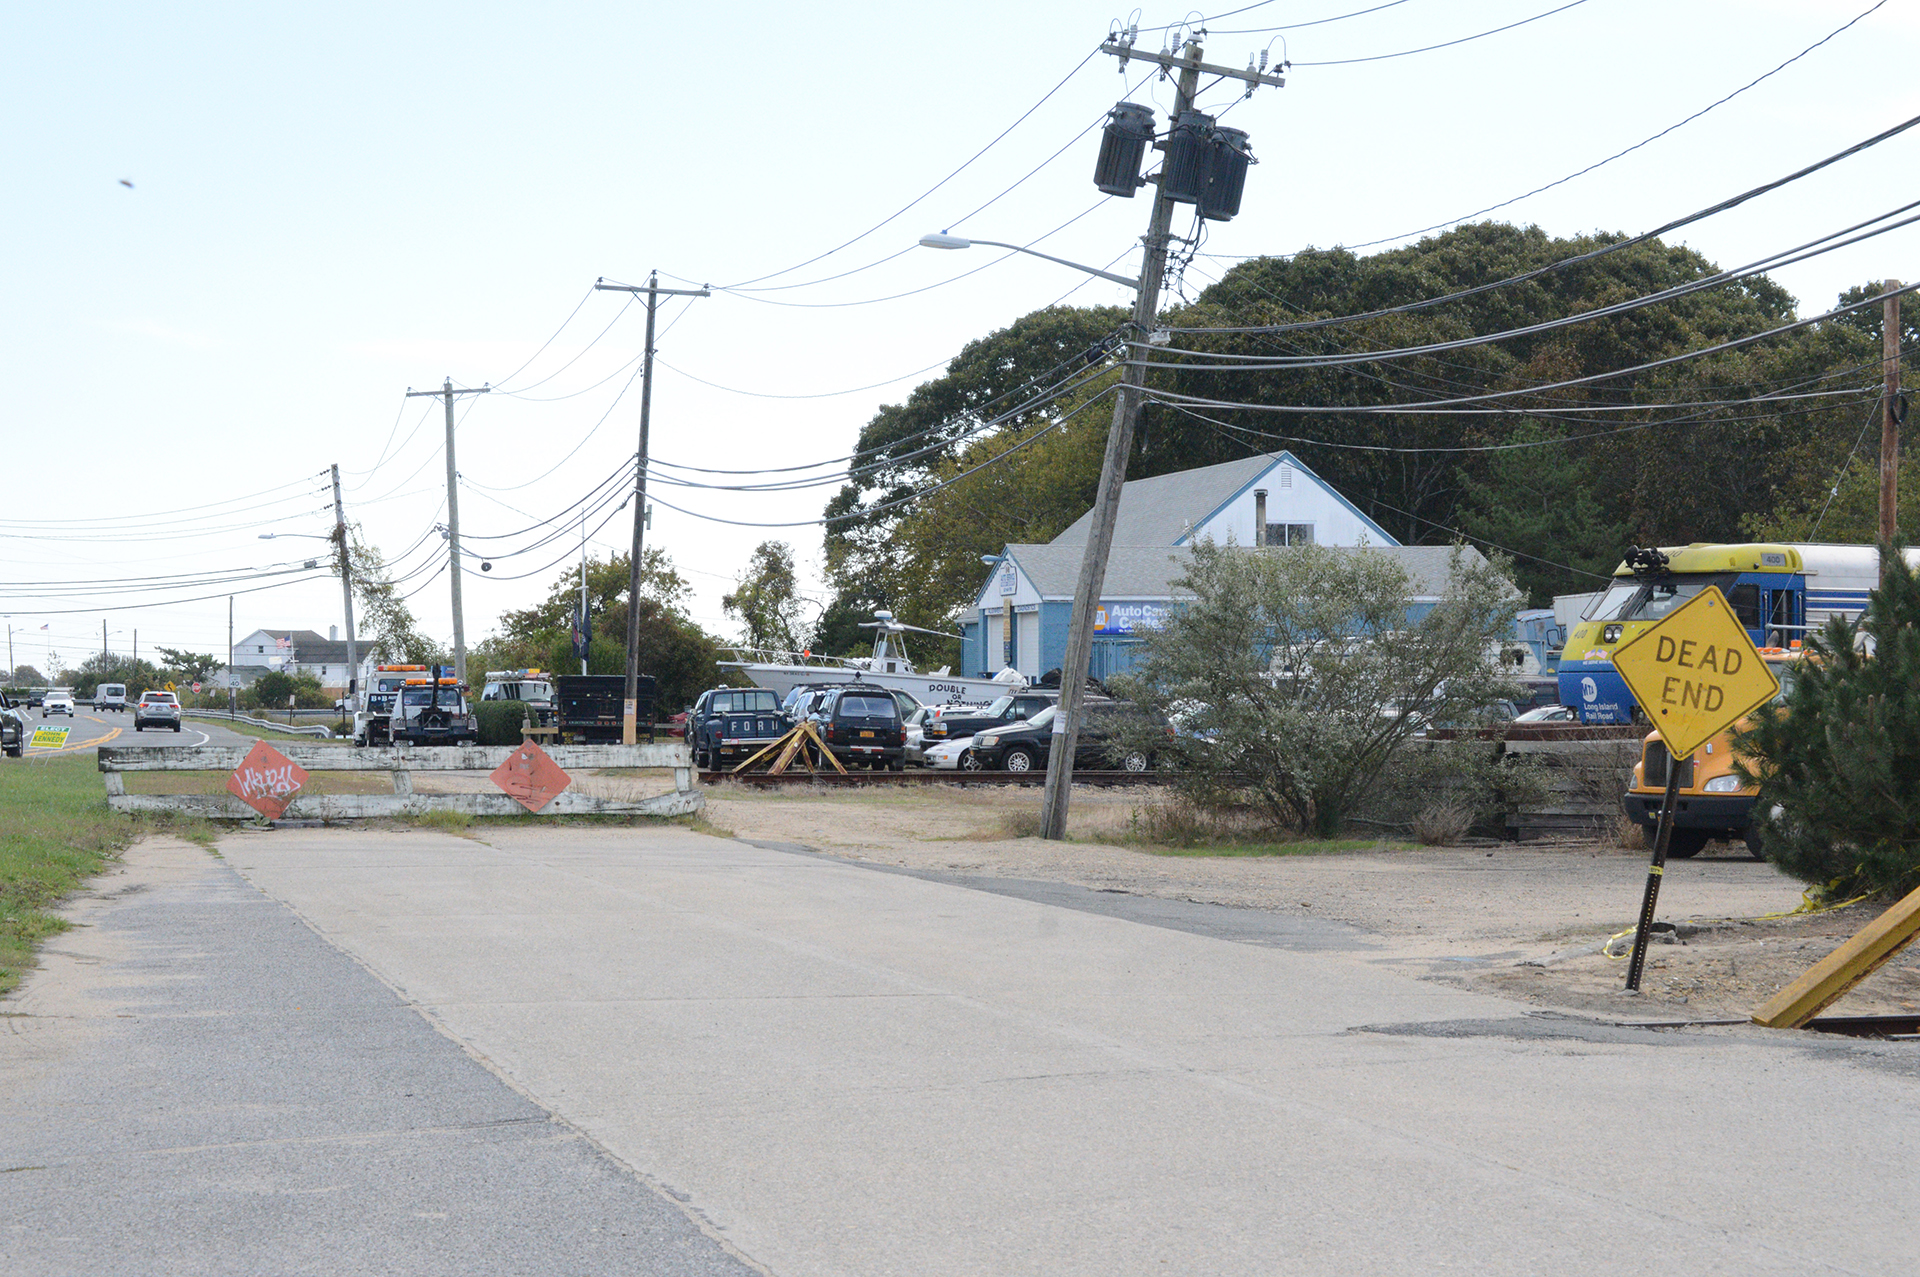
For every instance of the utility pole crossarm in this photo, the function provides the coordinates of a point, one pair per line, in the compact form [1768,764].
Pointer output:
[1179,62]
[642,288]
[450,390]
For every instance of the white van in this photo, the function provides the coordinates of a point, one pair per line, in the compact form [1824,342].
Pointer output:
[111,696]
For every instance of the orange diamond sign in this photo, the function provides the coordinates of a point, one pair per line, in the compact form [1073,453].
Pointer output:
[266,780]
[530,777]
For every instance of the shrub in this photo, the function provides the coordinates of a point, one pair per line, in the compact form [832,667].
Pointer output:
[500,721]
[1838,762]
[1296,675]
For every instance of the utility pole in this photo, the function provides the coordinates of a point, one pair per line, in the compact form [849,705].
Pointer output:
[629,718]
[453,523]
[1113,465]
[233,705]
[346,591]
[582,622]
[1890,415]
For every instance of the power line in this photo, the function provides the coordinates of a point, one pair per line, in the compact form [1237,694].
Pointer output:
[1578,259]
[1628,151]
[1407,53]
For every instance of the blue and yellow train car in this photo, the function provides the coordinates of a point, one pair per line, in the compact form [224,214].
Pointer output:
[1779,592]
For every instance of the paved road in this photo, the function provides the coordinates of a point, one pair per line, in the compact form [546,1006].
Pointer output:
[92,729]
[838,1070]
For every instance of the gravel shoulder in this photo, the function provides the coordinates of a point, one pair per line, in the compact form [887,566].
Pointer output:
[1523,920]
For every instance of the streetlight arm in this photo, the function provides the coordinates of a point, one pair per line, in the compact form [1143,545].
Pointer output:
[954,241]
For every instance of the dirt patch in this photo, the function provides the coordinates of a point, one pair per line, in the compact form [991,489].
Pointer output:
[1523,920]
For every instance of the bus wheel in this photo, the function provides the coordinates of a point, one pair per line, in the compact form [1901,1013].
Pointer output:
[1751,836]
[1685,844]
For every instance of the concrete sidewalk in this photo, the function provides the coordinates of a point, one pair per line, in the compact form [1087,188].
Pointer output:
[194,1082]
[847,1071]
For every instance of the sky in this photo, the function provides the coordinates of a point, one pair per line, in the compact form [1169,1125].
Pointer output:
[331,205]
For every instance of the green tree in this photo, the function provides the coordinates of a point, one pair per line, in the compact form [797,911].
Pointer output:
[1838,762]
[767,599]
[387,628]
[1297,677]
[682,658]
[27,676]
[1019,378]
[188,667]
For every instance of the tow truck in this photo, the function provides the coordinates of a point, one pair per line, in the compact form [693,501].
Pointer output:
[372,726]
[433,710]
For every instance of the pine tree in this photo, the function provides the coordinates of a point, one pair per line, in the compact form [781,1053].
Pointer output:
[1839,767]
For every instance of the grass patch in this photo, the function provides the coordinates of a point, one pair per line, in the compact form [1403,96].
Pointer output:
[56,831]
[268,733]
[447,822]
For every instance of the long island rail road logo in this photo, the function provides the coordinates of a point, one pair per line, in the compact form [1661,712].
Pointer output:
[1696,672]
[266,780]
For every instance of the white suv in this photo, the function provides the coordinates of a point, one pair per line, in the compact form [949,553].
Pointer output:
[59,701]
[157,709]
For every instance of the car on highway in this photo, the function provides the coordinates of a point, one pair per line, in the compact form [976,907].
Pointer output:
[14,729]
[58,701]
[157,709]
[111,696]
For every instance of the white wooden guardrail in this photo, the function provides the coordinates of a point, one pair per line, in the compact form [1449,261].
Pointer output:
[402,762]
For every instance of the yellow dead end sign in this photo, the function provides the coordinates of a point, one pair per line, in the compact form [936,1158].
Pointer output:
[1696,672]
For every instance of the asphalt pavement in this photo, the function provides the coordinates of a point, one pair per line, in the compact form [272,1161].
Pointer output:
[198,1083]
[89,729]
[827,1069]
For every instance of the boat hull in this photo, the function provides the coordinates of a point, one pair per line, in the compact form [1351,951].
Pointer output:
[928,689]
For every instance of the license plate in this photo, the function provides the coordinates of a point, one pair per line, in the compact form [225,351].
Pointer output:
[866,735]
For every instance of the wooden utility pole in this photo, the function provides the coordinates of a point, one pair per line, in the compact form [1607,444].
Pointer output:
[629,718]
[1889,417]
[447,392]
[346,592]
[1113,465]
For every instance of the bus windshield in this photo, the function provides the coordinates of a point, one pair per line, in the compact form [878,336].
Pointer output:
[1636,600]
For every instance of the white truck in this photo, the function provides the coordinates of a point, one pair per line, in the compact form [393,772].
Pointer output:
[372,724]
[533,688]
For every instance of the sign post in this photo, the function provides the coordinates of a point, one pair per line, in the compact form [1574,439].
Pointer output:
[1694,673]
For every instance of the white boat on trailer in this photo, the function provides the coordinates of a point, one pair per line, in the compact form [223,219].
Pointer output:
[888,667]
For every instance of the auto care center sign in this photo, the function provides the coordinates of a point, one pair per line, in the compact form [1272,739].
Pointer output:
[1128,618]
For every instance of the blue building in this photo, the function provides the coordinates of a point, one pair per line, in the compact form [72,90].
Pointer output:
[1021,614]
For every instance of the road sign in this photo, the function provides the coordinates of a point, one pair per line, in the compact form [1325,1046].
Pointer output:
[196,687]
[49,737]
[266,780]
[530,777]
[1696,672]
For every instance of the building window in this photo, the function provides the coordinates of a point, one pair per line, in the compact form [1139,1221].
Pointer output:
[1289,534]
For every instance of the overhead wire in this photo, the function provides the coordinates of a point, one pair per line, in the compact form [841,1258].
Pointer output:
[1622,153]
[1579,259]
[1465,39]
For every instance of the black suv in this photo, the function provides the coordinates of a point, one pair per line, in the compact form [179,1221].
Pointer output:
[1020,747]
[863,725]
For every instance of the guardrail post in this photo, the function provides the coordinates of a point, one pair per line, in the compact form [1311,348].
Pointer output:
[683,779]
[402,782]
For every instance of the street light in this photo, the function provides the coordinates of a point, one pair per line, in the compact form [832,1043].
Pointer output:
[944,240]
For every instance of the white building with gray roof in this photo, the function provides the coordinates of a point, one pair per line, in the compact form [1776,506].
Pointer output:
[1021,614]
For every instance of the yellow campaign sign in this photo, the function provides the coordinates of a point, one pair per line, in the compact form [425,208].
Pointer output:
[1695,672]
[50,737]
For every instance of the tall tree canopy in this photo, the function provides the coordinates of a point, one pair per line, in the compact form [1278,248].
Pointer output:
[1717,447]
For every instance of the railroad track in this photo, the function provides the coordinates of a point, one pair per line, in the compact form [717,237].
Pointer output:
[928,776]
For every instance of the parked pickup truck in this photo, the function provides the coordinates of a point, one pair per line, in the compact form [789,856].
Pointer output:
[728,724]
[1015,707]
[433,711]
